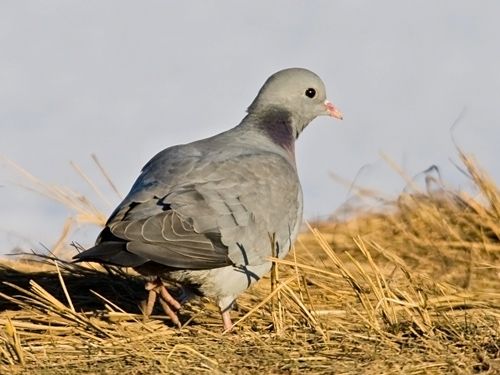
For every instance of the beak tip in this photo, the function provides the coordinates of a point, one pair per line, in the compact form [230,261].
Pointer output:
[333,111]
[336,114]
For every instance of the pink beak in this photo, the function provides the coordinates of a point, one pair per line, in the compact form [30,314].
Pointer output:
[332,110]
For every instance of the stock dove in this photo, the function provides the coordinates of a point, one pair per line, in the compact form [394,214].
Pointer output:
[204,214]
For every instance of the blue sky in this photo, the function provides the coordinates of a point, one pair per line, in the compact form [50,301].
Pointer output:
[125,79]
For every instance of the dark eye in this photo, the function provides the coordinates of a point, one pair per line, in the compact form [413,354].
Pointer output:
[310,93]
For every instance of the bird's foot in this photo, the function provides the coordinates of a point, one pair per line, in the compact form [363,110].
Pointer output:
[168,303]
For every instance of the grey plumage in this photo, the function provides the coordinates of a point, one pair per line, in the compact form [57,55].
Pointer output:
[204,213]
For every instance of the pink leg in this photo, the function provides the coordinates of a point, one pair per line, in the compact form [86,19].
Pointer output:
[156,288]
[170,313]
[226,319]
[148,309]
[165,295]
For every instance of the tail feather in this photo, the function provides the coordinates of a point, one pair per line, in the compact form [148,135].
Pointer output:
[112,253]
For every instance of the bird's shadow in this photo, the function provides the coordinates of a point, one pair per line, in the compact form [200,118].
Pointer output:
[91,289]
[82,284]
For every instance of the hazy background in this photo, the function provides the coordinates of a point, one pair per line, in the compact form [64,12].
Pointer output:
[126,79]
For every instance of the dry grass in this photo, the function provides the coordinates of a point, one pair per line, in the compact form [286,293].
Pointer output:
[413,290]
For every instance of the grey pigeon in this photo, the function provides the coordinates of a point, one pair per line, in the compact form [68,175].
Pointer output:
[204,214]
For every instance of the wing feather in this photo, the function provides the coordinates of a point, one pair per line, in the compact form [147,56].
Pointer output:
[203,214]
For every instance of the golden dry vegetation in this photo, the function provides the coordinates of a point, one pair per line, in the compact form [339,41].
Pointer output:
[413,289]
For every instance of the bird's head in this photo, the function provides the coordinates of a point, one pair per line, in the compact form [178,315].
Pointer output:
[299,92]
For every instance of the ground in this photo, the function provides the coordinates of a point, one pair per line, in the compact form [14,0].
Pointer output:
[413,288]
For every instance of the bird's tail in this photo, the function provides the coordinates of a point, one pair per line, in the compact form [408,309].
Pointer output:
[112,253]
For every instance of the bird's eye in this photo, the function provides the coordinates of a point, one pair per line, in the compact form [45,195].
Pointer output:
[310,93]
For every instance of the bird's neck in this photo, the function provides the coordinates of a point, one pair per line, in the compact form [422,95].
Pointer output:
[277,125]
